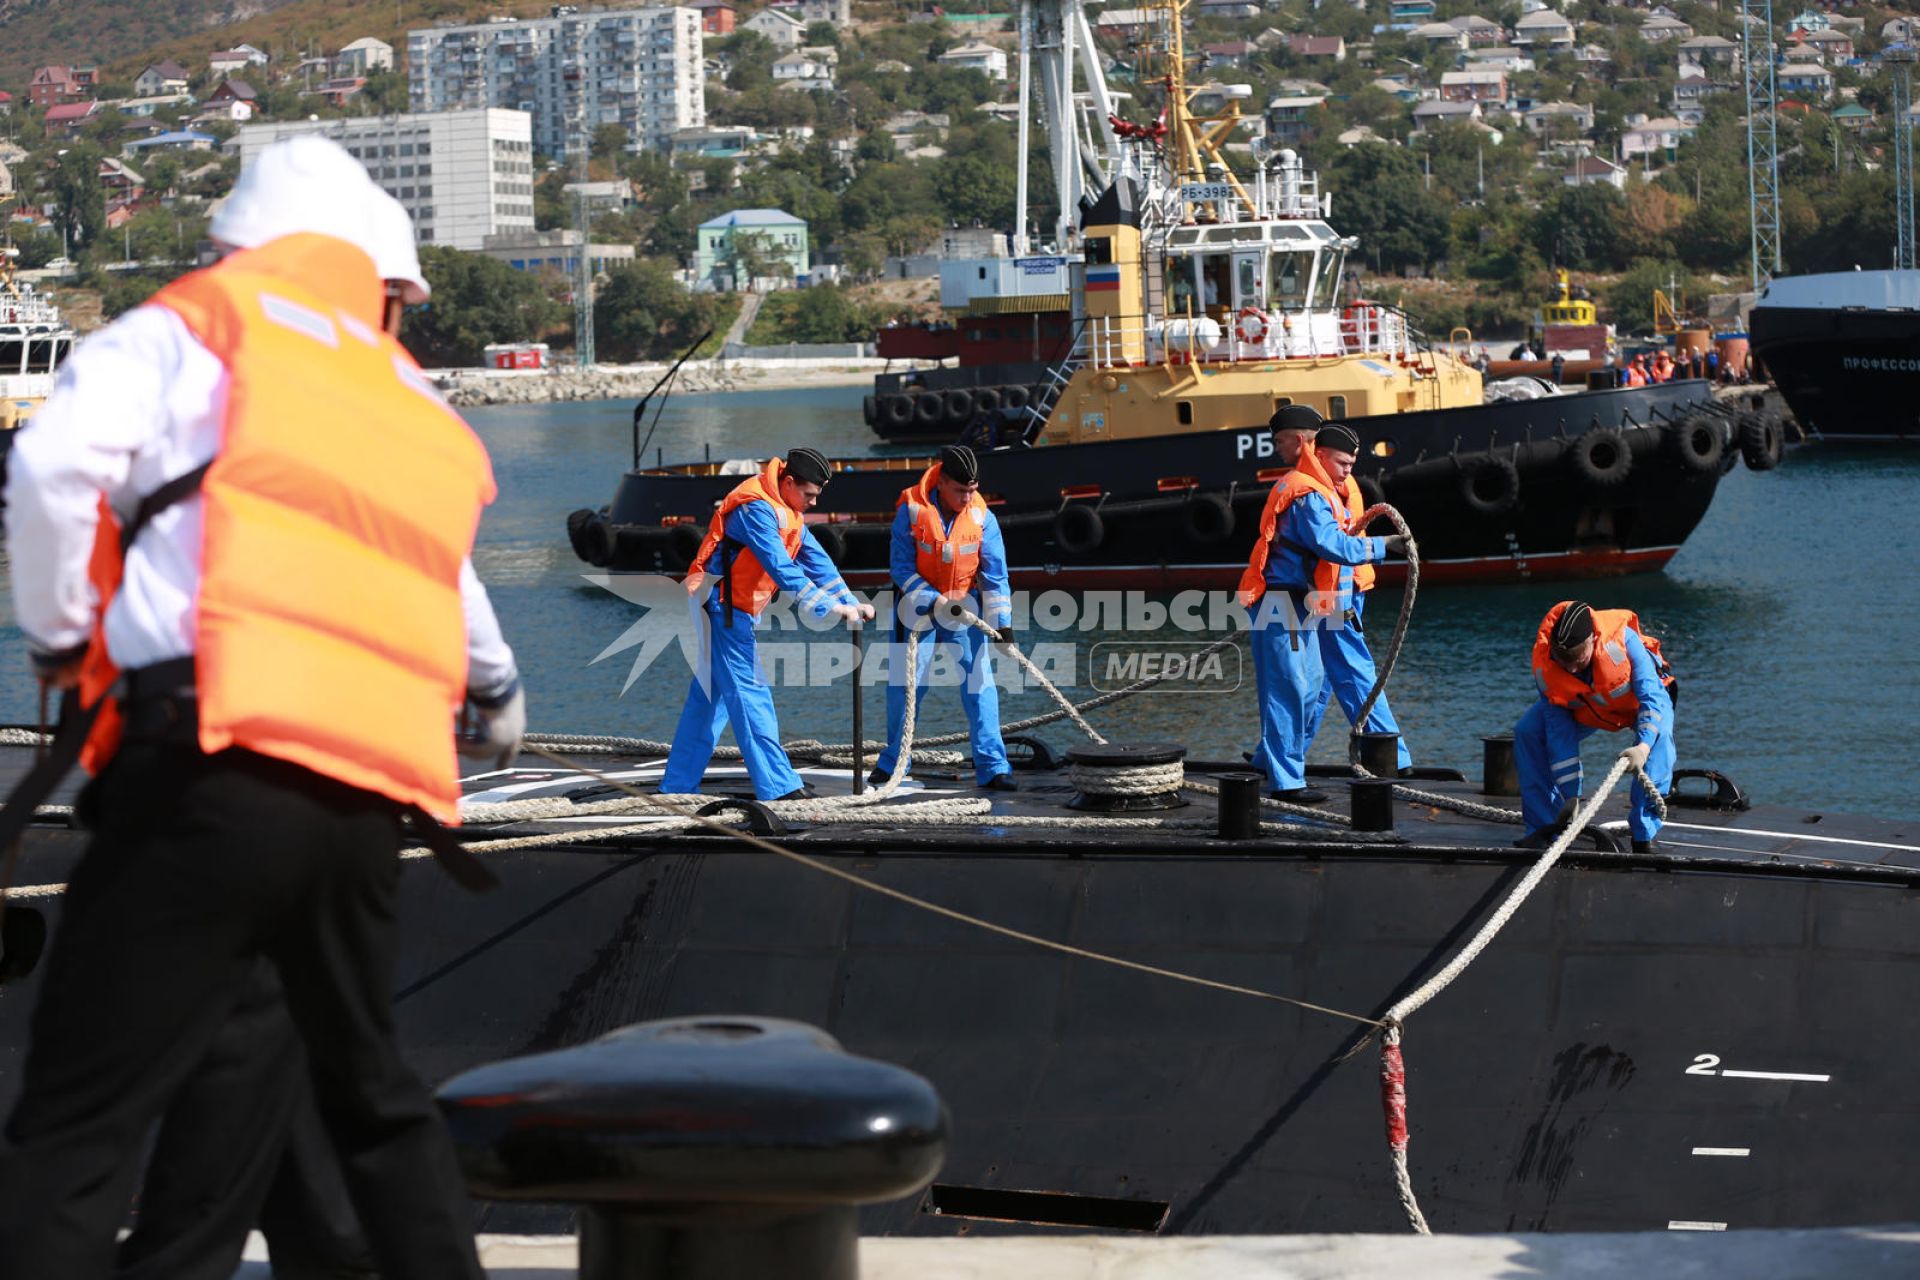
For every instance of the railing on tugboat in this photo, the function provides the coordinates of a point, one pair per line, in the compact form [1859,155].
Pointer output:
[1362,328]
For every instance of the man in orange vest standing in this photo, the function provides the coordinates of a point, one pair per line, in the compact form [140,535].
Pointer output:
[1595,669]
[757,545]
[1298,580]
[285,640]
[945,541]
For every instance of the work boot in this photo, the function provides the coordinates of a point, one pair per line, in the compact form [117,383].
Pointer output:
[803,792]
[1644,846]
[878,778]
[999,782]
[1407,772]
[1301,795]
[1542,838]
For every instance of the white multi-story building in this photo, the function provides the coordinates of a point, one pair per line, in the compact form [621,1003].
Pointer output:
[463,175]
[637,68]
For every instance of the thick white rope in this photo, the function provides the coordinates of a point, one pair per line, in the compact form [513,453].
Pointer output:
[1126,780]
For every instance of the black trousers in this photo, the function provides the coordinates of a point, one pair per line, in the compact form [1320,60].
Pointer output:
[199,865]
[242,1145]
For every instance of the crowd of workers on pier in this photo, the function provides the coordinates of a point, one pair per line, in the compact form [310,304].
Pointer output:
[260,740]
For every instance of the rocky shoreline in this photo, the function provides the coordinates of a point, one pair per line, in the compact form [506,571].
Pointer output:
[468,388]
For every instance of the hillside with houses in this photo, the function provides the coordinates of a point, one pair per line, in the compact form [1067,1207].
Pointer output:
[812,149]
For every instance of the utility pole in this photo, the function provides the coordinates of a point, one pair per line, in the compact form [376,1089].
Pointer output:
[1900,59]
[1763,139]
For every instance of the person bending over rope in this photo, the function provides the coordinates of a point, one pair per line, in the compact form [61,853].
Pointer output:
[945,541]
[1595,669]
[1298,578]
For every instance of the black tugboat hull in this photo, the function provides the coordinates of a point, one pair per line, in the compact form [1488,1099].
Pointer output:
[1687,1039]
[1845,358]
[1447,471]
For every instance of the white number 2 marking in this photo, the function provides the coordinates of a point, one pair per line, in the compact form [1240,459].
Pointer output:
[1707,1064]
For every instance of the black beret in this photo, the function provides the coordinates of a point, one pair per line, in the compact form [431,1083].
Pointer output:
[808,466]
[958,464]
[1295,417]
[1573,628]
[1338,435]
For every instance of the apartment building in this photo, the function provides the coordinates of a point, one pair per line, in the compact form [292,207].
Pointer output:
[637,68]
[463,175]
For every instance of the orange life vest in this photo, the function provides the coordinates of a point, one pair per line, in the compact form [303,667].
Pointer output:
[1308,476]
[1609,701]
[750,584]
[948,559]
[328,628]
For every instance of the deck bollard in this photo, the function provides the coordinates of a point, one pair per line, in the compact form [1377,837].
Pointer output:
[701,1148]
[1370,804]
[1380,753]
[1499,773]
[1239,799]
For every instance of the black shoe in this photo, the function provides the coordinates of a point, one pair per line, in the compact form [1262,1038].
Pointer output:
[1644,846]
[1407,772]
[1540,839]
[1301,795]
[803,792]
[999,782]
[878,778]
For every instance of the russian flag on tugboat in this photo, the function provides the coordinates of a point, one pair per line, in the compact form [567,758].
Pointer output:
[1102,278]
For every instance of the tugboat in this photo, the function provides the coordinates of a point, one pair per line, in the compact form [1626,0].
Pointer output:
[1844,350]
[1203,302]
[34,343]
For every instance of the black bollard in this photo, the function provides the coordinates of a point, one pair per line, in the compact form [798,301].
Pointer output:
[1380,753]
[1370,804]
[701,1148]
[1239,805]
[1499,774]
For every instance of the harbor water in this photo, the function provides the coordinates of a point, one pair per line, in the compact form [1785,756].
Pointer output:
[1788,617]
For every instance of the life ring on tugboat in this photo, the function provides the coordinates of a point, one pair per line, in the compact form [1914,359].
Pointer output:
[1601,457]
[1250,326]
[1697,443]
[1078,529]
[1356,319]
[1490,484]
[1207,518]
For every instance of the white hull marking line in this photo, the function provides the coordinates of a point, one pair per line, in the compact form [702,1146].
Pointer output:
[1723,1151]
[1795,835]
[1708,1064]
[1683,1225]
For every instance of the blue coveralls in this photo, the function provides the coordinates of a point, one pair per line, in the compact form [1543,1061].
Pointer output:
[979,697]
[1546,749]
[1350,673]
[738,694]
[1287,665]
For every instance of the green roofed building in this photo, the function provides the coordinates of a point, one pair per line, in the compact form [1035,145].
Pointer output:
[750,248]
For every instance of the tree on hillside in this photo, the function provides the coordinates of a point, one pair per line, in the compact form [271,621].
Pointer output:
[1379,195]
[642,312]
[1580,227]
[476,300]
[74,186]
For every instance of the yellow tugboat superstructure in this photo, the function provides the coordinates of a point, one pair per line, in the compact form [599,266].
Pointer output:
[1206,301]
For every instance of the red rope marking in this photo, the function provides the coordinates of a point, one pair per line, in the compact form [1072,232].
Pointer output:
[1393,1095]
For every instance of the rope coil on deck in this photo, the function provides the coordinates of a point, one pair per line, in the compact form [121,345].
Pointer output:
[1131,780]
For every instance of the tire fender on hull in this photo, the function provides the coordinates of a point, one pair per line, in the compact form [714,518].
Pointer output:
[1078,529]
[1490,484]
[1601,457]
[1207,518]
[1697,443]
[1762,443]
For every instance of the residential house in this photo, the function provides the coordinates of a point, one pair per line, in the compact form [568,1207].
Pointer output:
[1473,86]
[893,67]
[340,90]
[1230,53]
[1654,138]
[838,13]
[143,108]
[1853,117]
[1399,88]
[1804,80]
[120,180]
[1690,94]
[1440,111]
[231,90]
[910,125]
[1660,29]
[1829,48]
[177,140]
[231,111]
[617,195]
[978,56]
[1440,35]
[1125,23]
[52,86]
[1592,56]
[1710,51]
[1547,118]
[716,142]
[229,62]
[363,56]
[773,236]
[6,103]
[66,119]
[716,16]
[1299,87]
[1592,171]
[811,73]
[1809,20]
[1357,135]
[1235,10]
[6,182]
[1290,121]
[1481,32]
[1900,31]
[1543,28]
[1498,58]
[1411,12]
[161,78]
[1332,47]
[778,26]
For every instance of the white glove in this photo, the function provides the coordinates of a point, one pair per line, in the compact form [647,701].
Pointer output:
[500,728]
[1636,755]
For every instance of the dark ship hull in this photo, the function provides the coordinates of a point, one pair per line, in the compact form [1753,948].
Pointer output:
[1499,492]
[1849,371]
[1709,1036]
